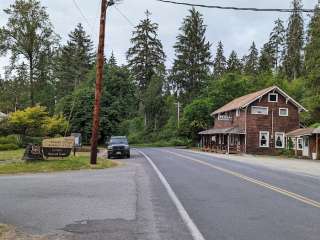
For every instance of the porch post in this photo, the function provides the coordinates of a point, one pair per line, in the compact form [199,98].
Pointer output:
[296,147]
[228,143]
[317,146]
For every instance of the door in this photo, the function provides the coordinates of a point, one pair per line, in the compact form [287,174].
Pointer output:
[306,146]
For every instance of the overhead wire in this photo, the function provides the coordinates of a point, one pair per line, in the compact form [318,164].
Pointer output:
[282,10]
[84,17]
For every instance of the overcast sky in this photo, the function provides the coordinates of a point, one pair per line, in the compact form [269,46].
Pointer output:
[236,30]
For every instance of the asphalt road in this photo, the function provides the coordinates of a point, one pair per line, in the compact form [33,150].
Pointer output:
[232,200]
[225,200]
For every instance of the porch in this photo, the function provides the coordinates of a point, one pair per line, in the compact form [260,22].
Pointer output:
[223,140]
[305,142]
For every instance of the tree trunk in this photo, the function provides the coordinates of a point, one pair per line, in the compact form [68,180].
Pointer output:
[31,81]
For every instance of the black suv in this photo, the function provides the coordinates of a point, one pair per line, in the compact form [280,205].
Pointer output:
[118,146]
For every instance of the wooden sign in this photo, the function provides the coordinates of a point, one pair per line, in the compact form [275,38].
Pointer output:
[57,147]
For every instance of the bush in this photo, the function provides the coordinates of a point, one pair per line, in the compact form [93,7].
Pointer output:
[288,153]
[26,140]
[11,139]
[8,146]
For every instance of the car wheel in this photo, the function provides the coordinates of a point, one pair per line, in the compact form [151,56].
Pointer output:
[109,156]
[128,155]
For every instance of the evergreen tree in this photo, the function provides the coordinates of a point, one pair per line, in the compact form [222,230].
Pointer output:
[74,61]
[191,67]
[251,61]
[293,62]
[219,64]
[146,57]
[276,43]
[154,102]
[266,59]
[234,64]
[29,35]
[112,60]
[313,51]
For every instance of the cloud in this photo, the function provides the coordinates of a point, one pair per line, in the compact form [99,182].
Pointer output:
[236,30]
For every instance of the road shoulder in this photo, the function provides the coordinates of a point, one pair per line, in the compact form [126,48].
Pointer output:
[299,166]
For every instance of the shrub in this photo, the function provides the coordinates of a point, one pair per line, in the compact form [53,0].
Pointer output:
[11,139]
[26,140]
[8,146]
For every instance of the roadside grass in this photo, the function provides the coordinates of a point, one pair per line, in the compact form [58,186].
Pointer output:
[78,162]
[12,155]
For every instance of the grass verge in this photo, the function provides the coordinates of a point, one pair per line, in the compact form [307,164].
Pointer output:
[78,162]
[14,155]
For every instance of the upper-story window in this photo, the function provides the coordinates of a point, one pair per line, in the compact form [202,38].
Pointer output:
[225,117]
[259,110]
[283,112]
[273,97]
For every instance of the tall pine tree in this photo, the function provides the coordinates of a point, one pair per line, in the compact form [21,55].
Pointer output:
[276,43]
[146,61]
[219,64]
[251,61]
[234,64]
[293,60]
[191,68]
[266,59]
[146,57]
[74,61]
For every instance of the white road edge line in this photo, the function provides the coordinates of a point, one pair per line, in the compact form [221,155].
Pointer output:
[195,232]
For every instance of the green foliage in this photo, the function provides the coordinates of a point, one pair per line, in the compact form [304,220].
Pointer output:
[313,52]
[234,64]
[29,34]
[29,121]
[220,62]
[73,62]
[315,125]
[196,118]
[56,125]
[35,121]
[117,104]
[8,146]
[227,88]
[293,59]
[251,61]
[191,68]
[146,57]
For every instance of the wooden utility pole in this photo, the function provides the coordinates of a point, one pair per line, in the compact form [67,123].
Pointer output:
[99,77]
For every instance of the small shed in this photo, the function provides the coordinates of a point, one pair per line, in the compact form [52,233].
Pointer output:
[306,142]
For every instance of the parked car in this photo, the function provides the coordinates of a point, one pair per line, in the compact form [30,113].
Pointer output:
[118,146]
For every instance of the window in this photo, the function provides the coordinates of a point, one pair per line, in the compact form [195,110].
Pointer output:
[260,110]
[264,139]
[273,97]
[224,117]
[283,112]
[300,144]
[238,112]
[279,137]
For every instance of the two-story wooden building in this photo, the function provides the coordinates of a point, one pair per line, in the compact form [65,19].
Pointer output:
[256,123]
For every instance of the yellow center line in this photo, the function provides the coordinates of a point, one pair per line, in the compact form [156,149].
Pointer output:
[282,191]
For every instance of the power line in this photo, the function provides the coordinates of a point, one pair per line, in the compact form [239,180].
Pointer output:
[84,17]
[283,10]
[124,16]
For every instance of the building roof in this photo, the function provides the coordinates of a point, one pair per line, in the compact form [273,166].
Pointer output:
[246,100]
[233,130]
[303,132]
